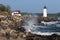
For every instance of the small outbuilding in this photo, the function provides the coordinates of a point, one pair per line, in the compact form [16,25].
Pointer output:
[16,13]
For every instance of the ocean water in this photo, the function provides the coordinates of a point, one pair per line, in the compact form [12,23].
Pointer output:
[41,30]
[46,30]
[50,28]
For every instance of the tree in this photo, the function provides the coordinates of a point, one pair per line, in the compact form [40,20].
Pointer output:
[2,7]
[58,14]
[5,8]
[8,9]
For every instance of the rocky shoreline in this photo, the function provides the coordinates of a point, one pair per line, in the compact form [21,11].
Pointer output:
[11,28]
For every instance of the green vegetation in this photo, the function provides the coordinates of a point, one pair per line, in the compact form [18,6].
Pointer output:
[5,8]
[58,14]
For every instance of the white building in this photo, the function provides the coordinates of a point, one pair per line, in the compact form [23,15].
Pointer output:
[16,13]
[45,12]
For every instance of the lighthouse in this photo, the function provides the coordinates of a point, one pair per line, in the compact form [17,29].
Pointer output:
[45,11]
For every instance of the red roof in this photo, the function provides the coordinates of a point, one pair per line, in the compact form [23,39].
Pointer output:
[17,11]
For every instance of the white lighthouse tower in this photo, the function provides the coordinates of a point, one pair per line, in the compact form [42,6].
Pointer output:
[45,12]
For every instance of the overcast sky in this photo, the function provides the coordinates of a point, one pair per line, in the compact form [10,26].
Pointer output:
[34,6]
